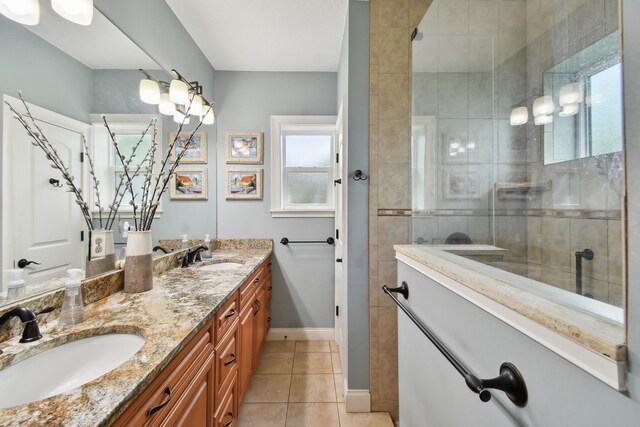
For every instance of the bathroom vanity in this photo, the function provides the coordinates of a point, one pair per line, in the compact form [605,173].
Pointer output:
[203,333]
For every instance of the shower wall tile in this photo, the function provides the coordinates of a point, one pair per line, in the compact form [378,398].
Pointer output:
[513,15]
[393,48]
[393,13]
[393,137]
[615,254]
[427,85]
[556,245]
[534,240]
[611,16]
[392,230]
[453,17]
[453,95]
[481,53]
[483,17]
[453,54]
[394,186]
[481,94]
[394,96]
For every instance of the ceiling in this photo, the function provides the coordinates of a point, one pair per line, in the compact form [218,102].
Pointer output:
[266,35]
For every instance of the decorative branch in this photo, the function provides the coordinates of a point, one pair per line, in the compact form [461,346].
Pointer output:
[92,171]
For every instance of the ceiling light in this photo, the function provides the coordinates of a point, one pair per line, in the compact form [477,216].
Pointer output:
[570,94]
[543,106]
[166,107]
[26,12]
[179,92]
[77,11]
[543,120]
[519,116]
[149,91]
[180,118]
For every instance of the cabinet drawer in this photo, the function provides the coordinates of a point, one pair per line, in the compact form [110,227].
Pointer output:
[227,359]
[226,316]
[228,407]
[153,405]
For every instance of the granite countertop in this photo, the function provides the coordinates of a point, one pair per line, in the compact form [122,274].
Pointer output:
[530,299]
[168,316]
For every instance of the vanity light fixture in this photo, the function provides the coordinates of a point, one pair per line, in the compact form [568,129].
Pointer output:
[543,106]
[519,116]
[164,94]
[77,11]
[570,94]
[543,120]
[26,12]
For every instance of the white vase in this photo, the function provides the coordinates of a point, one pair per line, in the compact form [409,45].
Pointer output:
[138,266]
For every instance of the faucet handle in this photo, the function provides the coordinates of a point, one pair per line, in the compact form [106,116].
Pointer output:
[45,310]
[31,332]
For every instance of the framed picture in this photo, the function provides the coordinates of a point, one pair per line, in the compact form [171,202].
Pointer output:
[244,147]
[458,149]
[189,184]
[461,184]
[245,184]
[197,150]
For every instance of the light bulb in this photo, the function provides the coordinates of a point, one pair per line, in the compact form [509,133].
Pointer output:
[26,12]
[196,105]
[209,118]
[543,106]
[569,110]
[149,91]
[519,116]
[78,11]
[166,107]
[179,92]
[180,118]
[570,94]
[543,120]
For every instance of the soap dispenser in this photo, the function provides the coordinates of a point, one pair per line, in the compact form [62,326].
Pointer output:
[207,242]
[16,289]
[73,307]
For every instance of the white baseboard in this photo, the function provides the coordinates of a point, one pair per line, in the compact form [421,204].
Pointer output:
[357,401]
[301,334]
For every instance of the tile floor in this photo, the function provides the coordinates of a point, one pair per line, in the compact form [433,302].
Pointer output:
[299,384]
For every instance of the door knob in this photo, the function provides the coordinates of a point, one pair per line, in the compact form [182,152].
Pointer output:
[338,259]
[337,181]
[22,263]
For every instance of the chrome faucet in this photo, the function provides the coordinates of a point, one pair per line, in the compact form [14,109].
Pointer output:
[31,330]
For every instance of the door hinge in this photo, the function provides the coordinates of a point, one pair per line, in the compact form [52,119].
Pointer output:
[337,310]
[337,157]
[82,236]
[82,157]
[337,234]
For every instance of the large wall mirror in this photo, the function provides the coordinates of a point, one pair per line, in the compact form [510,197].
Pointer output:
[67,73]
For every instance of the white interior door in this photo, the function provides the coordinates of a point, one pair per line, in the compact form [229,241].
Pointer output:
[44,223]
[340,270]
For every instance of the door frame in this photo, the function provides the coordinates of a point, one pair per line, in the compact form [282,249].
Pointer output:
[341,321]
[44,115]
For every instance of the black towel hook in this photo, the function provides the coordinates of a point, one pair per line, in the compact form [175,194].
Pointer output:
[358,175]
[55,182]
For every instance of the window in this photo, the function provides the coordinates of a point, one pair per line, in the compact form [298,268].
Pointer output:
[302,170]
[128,130]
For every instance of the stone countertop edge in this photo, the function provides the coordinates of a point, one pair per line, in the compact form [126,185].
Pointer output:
[596,334]
[168,317]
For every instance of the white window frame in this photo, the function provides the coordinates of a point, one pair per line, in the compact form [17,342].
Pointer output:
[103,155]
[280,126]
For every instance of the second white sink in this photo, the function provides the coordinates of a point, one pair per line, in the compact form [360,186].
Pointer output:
[65,367]
[221,266]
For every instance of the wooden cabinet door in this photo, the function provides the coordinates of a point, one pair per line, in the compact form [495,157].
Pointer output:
[195,407]
[259,327]
[245,358]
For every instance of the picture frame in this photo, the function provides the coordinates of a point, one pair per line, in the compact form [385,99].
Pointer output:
[244,184]
[457,149]
[197,153]
[244,148]
[189,183]
[461,184]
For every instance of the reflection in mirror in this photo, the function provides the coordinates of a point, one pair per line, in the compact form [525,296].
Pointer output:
[66,72]
[517,144]
[587,90]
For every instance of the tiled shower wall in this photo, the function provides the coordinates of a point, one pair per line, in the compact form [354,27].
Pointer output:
[391,24]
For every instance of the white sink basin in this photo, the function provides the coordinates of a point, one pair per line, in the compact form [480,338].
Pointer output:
[65,367]
[221,266]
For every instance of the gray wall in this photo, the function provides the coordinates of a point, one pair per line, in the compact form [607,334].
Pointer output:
[303,275]
[358,203]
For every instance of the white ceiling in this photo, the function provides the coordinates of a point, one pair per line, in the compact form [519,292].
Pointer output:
[100,45]
[266,35]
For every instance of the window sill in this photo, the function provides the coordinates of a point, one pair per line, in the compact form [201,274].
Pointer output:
[302,214]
